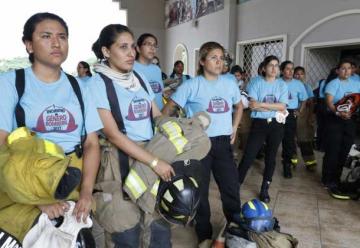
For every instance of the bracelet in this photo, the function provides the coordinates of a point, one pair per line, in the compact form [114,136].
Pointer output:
[154,163]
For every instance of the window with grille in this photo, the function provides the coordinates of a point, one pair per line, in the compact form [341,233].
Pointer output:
[318,63]
[252,53]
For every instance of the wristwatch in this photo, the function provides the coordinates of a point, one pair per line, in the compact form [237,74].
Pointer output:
[154,163]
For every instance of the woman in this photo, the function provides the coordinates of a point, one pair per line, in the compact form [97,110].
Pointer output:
[48,96]
[215,94]
[269,95]
[305,122]
[297,97]
[83,70]
[340,129]
[115,49]
[177,73]
[146,48]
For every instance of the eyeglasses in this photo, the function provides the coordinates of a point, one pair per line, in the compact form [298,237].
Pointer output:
[216,58]
[149,44]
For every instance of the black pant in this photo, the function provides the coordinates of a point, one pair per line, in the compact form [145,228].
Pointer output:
[261,131]
[320,123]
[288,142]
[338,141]
[220,161]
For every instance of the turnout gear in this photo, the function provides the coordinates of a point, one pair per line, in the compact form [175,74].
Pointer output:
[178,199]
[349,103]
[47,172]
[273,239]
[177,139]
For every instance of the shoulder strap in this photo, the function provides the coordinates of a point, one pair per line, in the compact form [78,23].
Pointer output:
[75,85]
[141,82]
[116,113]
[114,103]
[20,88]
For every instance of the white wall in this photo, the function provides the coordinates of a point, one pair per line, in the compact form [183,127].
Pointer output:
[147,16]
[213,27]
[262,18]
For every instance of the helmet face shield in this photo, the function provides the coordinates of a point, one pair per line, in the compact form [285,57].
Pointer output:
[257,216]
[178,200]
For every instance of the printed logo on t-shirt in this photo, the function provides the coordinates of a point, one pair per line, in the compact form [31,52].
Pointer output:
[139,109]
[269,99]
[218,105]
[55,119]
[290,96]
[155,86]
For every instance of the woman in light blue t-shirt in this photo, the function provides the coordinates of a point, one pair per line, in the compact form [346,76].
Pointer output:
[132,101]
[269,95]
[340,129]
[215,94]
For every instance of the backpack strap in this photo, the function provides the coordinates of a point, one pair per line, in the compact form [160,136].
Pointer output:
[20,88]
[116,113]
[75,86]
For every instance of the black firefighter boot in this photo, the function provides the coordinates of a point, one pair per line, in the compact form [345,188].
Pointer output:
[264,194]
[287,170]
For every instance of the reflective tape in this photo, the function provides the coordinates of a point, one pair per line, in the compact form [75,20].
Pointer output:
[21,132]
[135,184]
[174,132]
[155,187]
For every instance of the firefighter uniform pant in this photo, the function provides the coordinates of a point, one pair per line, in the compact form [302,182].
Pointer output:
[288,142]
[262,130]
[305,135]
[220,161]
[339,137]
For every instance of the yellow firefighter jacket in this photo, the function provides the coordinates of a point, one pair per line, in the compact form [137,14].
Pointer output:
[30,171]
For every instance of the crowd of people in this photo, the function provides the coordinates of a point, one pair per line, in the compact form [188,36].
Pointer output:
[109,116]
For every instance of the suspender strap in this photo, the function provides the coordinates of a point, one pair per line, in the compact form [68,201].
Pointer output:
[75,85]
[20,88]
[116,113]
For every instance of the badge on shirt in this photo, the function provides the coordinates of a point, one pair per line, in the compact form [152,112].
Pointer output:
[155,86]
[218,105]
[139,109]
[55,119]
[269,99]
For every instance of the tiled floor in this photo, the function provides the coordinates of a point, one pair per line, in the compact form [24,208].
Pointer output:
[302,206]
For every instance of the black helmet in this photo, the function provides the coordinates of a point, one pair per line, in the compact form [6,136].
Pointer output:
[178,199]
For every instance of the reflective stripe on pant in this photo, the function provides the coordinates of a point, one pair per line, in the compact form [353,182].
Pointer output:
[288,142]
[220,161]
[262,131]
[339,139]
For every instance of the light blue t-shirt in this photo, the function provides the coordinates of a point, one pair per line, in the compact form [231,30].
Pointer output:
[340,88]
[153,75]
[52,110]
[309,90]
[355,77]
[183,78]
[135,106]
[270,92]
[83,79]
[297,93]
[214,97]
[321,89]
[252,80]
[230,76]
